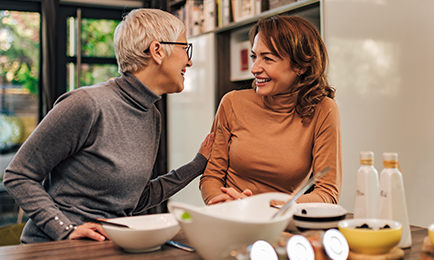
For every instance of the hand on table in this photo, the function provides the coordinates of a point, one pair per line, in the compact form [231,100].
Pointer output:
[230,194]
[90,230]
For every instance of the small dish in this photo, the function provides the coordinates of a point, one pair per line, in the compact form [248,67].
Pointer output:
[318,216]
[146,233]
[371,236]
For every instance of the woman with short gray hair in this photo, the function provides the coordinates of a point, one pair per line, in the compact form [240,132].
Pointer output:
[99,143]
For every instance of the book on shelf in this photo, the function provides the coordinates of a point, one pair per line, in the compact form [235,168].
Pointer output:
[196,17]
[258,6]
[209,15]
[242,9]
[201,16]
[191,14]
[219,13]
[226,12]
[223,12]
[278,3]
[180,13]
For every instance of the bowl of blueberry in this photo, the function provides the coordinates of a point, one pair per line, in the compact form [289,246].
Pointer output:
[371,236]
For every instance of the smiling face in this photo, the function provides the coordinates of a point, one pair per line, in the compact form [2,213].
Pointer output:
[174,67]
[273,74]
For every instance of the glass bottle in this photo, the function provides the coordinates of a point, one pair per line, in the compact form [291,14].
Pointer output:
[392,203]
[367,188]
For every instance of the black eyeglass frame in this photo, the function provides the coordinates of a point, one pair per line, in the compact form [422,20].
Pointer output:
[189,49]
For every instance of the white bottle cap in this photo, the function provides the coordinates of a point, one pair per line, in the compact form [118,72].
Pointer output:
[366,155]
[390,157]
[299,247]
[335,245]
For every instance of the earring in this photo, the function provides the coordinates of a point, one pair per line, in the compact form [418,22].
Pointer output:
[298,73]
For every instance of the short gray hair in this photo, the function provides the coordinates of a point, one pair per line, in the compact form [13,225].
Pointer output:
[137,30]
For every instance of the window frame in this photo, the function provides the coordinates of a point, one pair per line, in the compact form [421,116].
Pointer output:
[87,12]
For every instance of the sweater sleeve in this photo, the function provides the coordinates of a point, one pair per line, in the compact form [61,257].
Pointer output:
[62,132]
[214,176]
[326,152]
[165,186]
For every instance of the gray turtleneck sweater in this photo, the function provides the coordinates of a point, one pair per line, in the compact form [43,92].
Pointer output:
[99,143]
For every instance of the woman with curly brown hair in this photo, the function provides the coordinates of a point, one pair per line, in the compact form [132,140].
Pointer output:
[272,137]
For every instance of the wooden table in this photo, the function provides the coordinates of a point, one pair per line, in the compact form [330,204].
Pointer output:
[87,249]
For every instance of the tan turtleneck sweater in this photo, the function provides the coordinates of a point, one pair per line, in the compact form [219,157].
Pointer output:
[261,144]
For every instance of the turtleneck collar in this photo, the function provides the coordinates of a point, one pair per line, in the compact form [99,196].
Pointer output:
[136,92]
[284,103]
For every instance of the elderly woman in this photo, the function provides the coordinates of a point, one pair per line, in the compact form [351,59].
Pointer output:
[99,143]
[271,137]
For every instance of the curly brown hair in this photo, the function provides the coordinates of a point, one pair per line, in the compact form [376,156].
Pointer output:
[298,39]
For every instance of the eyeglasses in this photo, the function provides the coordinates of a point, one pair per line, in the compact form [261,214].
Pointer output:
[189,49]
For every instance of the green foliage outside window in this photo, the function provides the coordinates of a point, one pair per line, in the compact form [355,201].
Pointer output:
[96,42]
[19,49]
[97,37]
[92,74]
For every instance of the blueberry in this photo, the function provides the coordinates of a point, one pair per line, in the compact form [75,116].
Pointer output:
[366,226]
[385,226]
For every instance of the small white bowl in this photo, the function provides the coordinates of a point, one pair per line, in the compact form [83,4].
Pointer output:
[147,233]
[214,230]
[318,216]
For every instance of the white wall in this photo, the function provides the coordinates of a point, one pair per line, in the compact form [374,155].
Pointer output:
[190,113]
[382,65]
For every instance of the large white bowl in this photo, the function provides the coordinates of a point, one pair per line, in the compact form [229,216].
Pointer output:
[147,233]
[320,216]
[214,230]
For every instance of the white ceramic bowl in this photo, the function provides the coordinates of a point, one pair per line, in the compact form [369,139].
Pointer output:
[320,216]
[214,230]
[147,233]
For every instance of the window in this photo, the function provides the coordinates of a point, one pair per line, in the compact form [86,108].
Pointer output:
[96,61]
[19,86]
[19,77]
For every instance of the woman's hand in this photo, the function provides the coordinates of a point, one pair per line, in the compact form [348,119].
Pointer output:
[230,194]
[90,230]
[206,146]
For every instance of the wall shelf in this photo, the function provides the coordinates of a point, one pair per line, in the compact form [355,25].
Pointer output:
[280,10]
